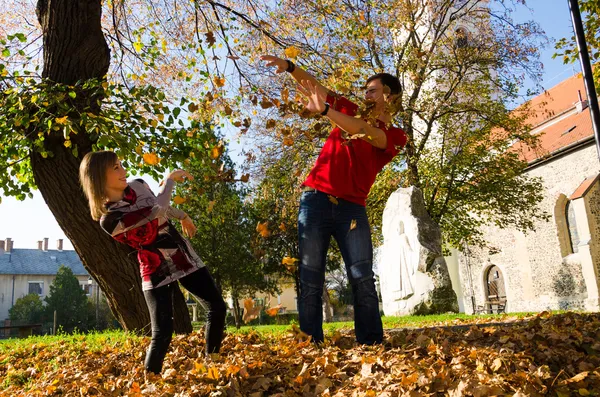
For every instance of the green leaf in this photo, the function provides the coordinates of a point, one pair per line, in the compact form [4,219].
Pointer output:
[6,52]
[72,94]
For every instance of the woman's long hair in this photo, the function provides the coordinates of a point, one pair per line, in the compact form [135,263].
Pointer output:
[92,176]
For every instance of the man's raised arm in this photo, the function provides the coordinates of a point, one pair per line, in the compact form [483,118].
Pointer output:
[297,73]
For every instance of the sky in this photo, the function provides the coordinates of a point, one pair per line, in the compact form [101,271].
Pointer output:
[29,221]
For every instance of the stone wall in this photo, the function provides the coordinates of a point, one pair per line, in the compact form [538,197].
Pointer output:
[537,275]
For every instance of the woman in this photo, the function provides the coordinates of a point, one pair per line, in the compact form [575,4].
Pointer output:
[133,215]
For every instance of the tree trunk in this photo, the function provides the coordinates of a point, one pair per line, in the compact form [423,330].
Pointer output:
[237,312]
[75,49]
[328,311]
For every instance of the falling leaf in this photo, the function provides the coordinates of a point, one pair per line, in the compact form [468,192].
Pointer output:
[215,152]
[211,205]
[333,199]
[151,158]
[265,103]
[263,229]
[210,38]
[272,311]
[289,261]
[250,311]
[352,224]
[179,200]
[292,52]
[219,81]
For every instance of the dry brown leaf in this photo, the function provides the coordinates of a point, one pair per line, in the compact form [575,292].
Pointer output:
[179,200]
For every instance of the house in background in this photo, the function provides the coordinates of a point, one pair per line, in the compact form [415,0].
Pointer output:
[26,271]
[556,266]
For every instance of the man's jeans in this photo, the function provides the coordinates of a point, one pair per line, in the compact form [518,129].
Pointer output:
[319,219]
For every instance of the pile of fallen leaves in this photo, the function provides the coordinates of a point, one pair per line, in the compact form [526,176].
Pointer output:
[556,355]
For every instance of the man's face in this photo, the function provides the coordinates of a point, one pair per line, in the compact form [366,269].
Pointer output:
[374,91]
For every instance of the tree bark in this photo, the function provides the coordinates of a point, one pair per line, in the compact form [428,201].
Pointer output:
[328,310]
[237,311]
[74,50]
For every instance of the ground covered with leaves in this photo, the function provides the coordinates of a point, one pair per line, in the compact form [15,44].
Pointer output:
[556,355]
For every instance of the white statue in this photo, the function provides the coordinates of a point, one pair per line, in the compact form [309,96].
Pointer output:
[411,268]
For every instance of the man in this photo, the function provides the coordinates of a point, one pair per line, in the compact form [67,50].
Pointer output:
[335,192]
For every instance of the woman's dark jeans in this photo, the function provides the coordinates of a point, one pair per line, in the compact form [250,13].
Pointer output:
[160,305]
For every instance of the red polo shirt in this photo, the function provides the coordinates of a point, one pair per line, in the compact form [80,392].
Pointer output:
[347,169]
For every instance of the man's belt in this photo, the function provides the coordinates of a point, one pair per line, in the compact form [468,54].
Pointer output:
[308,189]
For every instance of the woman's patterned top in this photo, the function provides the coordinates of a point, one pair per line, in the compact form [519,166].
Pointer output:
[141,220]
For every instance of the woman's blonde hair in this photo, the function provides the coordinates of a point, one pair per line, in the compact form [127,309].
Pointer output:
[92,176]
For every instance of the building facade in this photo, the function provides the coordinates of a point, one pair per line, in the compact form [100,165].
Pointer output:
[31,271]
[557,265]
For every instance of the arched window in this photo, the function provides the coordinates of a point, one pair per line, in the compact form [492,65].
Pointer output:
[572,227]
[462,38]
[495,285]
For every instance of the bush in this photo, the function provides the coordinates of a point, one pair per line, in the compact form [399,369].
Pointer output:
[27,310]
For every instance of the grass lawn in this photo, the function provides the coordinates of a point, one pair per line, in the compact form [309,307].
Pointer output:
[388,322]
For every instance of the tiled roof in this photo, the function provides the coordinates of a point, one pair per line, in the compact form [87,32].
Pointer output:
[36,261]
[555,135]
[584,187]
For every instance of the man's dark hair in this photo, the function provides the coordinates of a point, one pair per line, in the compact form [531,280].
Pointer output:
[387,79]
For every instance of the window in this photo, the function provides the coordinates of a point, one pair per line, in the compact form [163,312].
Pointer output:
[495,285]
[87,288]
[572,227]
[462,39]
[36,287]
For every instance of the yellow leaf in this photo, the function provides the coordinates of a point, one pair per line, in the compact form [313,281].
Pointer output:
[67,143]
[272,311]
[219,81]
[138,46]
[213,373]
[151,158]
[282,227]
[215,152]
[333,199]
[179,200]
[263,229]
[135,388]
[353,224]
[289,261]
[61,120]
[287,141]
[250,311]
[291,52]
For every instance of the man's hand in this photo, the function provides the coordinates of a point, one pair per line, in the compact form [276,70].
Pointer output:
[271,60]
[189,229]
[315,98]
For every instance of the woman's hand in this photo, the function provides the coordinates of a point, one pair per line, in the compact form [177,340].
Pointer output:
[189,229]
[271,60]
[315,98]
[180,175]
